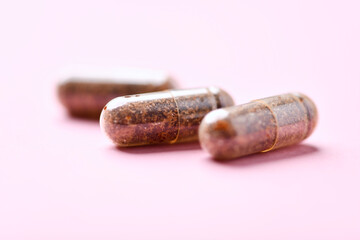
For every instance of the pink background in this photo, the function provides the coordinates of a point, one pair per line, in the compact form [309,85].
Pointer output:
[60,178]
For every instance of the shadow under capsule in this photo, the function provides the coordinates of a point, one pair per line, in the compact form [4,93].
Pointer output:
[159,148]
[84,117]
[286,153]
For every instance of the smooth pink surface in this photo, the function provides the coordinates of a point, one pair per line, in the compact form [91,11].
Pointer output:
[60,178]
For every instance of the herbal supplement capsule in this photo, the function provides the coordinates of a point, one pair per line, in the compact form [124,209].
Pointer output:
[258,126]
[85,93]
[160,117]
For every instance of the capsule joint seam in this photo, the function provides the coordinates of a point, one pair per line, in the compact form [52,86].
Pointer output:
[179,118]
[216,98]
[276,122]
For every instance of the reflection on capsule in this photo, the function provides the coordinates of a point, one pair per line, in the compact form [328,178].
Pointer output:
[258,126]
[160,117]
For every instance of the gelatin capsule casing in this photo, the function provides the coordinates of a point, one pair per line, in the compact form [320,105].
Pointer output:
[258,126]
[160,117]
[85,93]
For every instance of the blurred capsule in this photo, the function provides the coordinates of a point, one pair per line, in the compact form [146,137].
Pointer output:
[85,92]
[160,117]
[258,126]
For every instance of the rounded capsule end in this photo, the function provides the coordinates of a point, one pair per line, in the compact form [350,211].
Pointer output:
[110,122]
[64,92]
[140,119]
[223,99]
[312,113]
[215,132]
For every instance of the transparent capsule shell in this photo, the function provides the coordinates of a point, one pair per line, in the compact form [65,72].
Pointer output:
[258,126]
[161,117]
[85,92]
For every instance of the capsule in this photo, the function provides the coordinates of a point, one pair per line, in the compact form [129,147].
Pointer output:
[84,94]
[161,117]
[258,126]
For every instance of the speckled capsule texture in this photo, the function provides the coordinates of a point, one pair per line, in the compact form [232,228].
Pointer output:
[85,95]
[160,117]
[258,126]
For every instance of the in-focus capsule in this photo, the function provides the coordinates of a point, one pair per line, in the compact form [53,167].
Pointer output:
[258,126]
[86,91]
[160,117]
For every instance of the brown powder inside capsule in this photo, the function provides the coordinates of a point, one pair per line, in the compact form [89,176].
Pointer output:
[259,126]
[162,117]
[87,99]
[136,123]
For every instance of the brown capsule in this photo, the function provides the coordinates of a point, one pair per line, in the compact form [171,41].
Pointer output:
[160,117]
[258,126]
[85,94]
